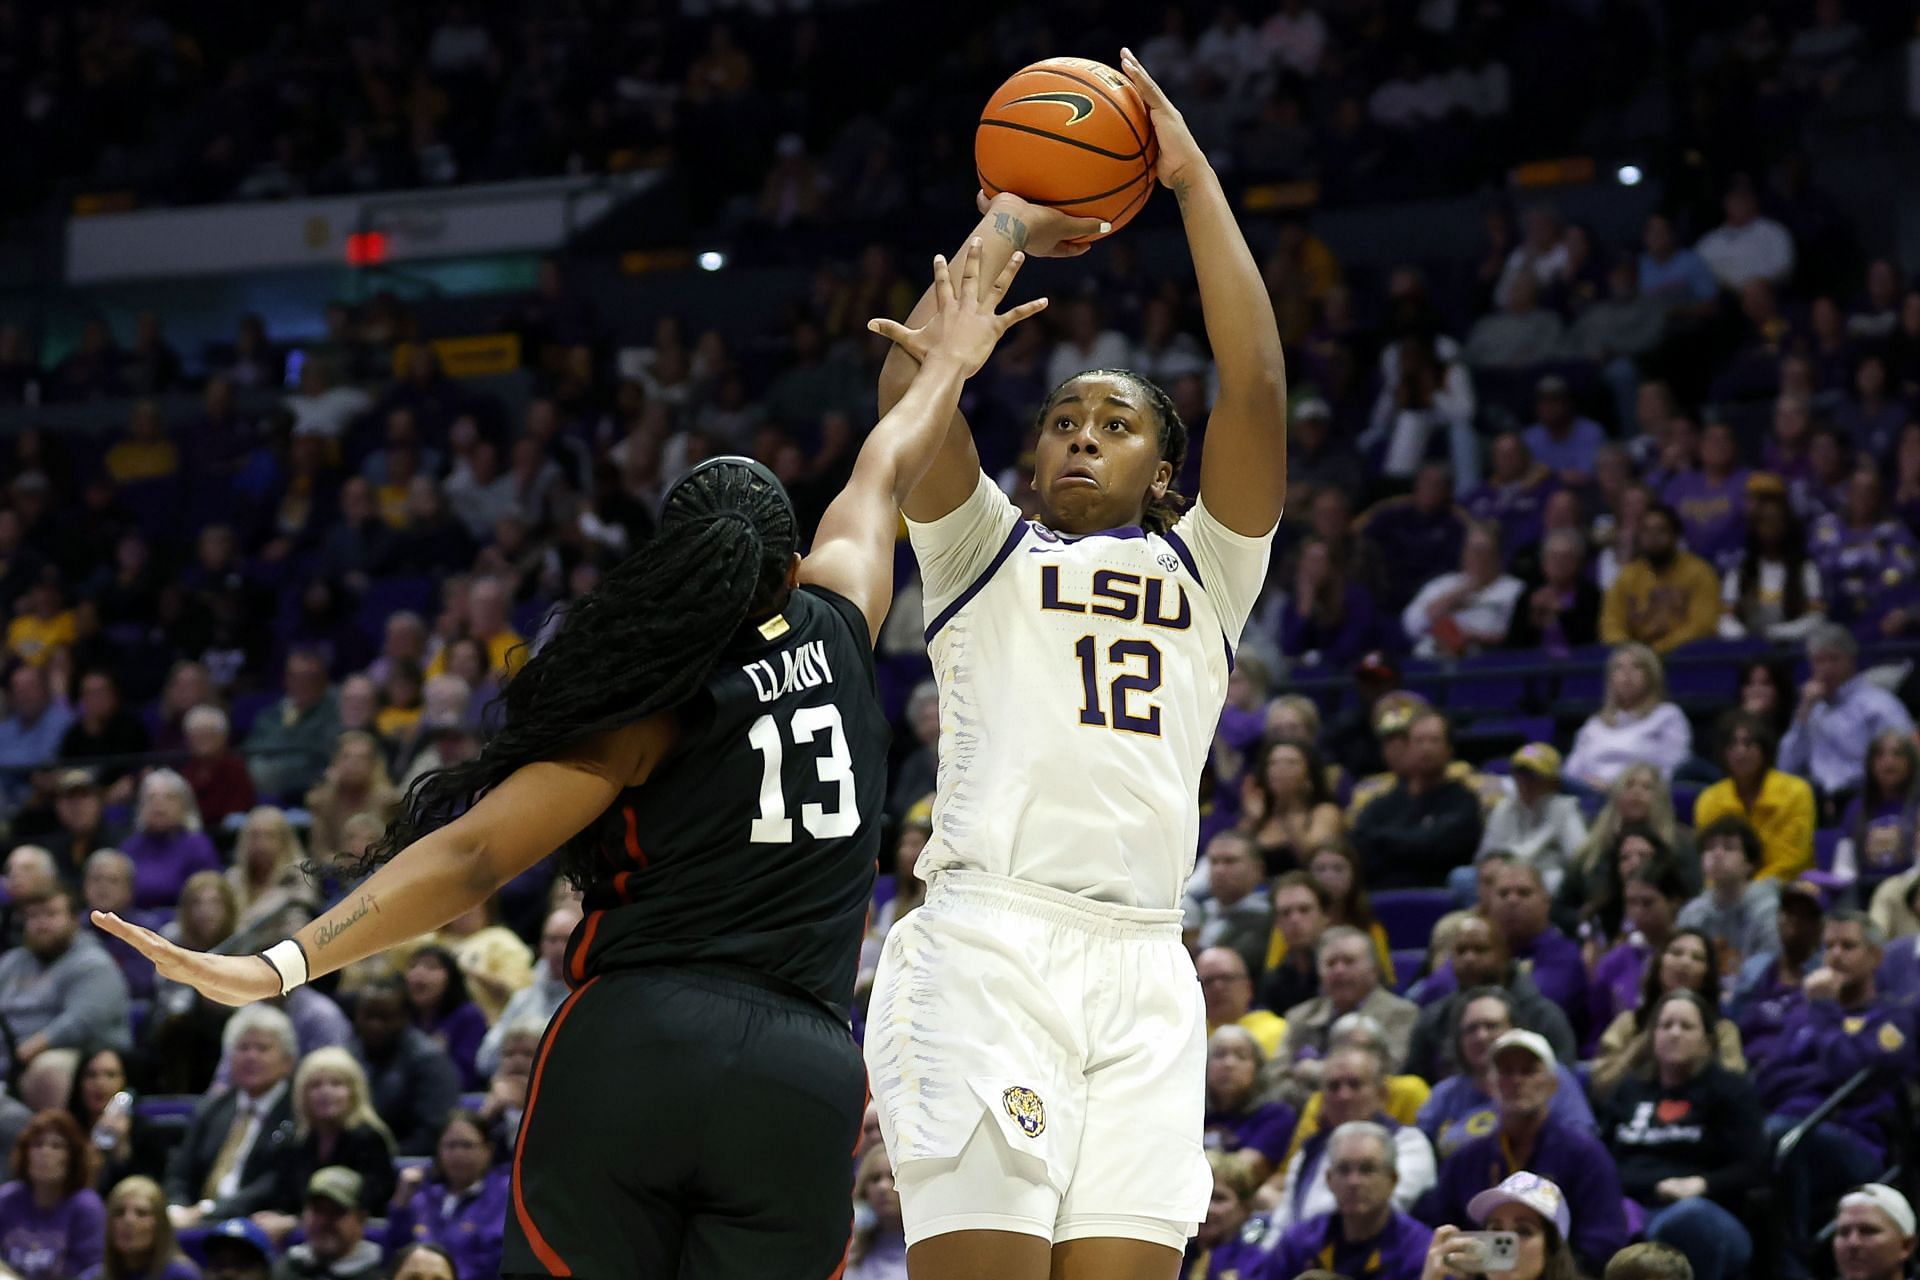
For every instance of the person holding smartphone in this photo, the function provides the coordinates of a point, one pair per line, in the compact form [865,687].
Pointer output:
[1525,1238]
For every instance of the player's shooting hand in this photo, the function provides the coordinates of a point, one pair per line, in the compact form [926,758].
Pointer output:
[1038,230]
[1180,153]
[234,980]
[966,324]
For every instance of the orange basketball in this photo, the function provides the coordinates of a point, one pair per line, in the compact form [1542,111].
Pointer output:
[1070,133]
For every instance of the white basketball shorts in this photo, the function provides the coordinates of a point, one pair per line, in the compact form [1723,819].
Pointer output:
[1039,1062]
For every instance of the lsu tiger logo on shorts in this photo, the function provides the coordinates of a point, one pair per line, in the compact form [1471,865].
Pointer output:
[1027,1110]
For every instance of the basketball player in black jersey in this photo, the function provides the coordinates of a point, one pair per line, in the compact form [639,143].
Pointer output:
[702,742]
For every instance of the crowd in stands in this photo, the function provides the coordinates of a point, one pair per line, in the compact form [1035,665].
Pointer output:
[1652,962]
[764,106]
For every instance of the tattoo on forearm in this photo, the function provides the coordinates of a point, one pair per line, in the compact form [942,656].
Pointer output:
[1010,228]
[1180,191]
[328,932]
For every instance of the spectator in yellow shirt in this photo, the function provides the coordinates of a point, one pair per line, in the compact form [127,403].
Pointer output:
[1778,806]
[146,453]
[44,627]
[488,622]
[1227,988]
[1664,597]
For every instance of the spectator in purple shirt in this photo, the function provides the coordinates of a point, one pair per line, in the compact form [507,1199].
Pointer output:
[1872,417]
[1529,1138]
[461,1205]
[1768,987]
[52,1224]
[1514,494]
[1521,905]
[1712,500]
[1420,535]
[167,845]
[1880,822]
[1867,559]
[1560,440]
[1255,1133]
[1366,1237]
[139,1238]
[1461,1106]
[1654,895]
[1838,1026]
[1328,618]
[437,997]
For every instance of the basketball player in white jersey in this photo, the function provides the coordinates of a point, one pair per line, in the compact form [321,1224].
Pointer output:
[1036,1038]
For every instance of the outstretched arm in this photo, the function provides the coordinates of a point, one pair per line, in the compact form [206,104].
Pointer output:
[1243,472]
[440,876]
[1008,225]
[852,553]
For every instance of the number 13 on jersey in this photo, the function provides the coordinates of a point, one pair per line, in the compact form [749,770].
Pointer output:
[1134,666]
[773,826]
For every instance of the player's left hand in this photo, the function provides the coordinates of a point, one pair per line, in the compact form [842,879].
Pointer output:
[234,980]
[966,323]
[1180,153]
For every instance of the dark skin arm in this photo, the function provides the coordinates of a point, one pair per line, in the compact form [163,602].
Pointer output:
[442,875]
[1243,471]
[853,550]
[1007,225]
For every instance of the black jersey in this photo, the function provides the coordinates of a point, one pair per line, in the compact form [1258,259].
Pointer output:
[753,844]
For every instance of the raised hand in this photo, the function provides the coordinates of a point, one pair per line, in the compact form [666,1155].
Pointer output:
[1180,154]
[1038,230]
[233,980]
[965,325]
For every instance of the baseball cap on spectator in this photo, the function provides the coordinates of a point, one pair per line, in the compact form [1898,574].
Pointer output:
[1315,407]
[1551,385]
[920,816]
[338,1185]
[1395,713]
[1878,1195]
[32,482]
[75,780]
[1529,1190]
[1765,484]
[241,1231]
[1527,1042]
[1537,758]
[445,722]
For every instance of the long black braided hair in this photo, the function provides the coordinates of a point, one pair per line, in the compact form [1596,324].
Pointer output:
[1157,514]
[644,640]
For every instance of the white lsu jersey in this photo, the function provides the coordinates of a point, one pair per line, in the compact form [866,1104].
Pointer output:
[1081,680]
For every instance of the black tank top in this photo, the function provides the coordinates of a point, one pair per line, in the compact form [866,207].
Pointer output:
[753,845]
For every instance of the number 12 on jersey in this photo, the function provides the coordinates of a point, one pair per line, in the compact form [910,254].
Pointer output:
[1121,654]
[773,826]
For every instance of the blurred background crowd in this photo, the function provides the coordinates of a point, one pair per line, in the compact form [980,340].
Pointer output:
[1558,863]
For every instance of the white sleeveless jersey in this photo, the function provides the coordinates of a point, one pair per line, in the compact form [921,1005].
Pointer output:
[1081,680]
